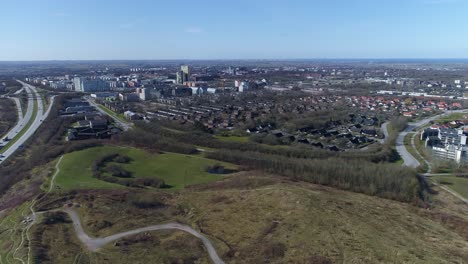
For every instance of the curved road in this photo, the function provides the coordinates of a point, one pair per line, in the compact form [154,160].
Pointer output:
[410,160]
[384,129]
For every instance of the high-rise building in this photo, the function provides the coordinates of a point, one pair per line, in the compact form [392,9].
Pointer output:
[143,93]
[185,69]
[90,85]
[179,77]
[183,75]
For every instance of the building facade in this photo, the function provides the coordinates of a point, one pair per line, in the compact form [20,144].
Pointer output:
[90,85]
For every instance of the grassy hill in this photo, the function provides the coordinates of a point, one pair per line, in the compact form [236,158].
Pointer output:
[257,218]
[177,170]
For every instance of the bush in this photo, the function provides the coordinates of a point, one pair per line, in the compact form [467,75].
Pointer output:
[56,218]
[215,169]
[120,172]
[122,159]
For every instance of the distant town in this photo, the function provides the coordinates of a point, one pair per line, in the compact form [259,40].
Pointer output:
[97,157]
[244,98]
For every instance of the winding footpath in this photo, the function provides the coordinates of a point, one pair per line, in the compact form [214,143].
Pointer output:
[94,244]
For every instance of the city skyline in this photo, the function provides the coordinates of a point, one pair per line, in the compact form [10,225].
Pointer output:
[155,30]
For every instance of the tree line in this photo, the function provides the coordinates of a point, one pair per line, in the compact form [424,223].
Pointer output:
[363,172]
[383,180]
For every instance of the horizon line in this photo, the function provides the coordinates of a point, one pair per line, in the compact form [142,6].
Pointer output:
[232,59]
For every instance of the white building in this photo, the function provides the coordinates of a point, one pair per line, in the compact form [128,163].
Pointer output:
[143,93]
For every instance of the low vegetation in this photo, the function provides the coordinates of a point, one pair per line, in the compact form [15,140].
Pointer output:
[255,218]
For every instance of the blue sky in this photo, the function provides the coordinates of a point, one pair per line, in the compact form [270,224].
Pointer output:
[232,29]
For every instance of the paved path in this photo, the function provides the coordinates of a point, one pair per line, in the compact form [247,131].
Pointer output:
[408,159]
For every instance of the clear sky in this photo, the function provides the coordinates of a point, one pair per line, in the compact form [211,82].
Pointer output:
[232,29]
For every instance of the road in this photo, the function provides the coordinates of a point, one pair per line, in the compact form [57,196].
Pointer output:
[384,129]
[38,119]
[124,125]
[410,160]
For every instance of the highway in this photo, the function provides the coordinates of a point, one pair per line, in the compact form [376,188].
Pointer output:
[37,120]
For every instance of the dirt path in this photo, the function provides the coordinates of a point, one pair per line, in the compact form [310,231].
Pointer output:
[94,244]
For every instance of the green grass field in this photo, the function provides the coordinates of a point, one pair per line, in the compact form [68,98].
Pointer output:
[177,170]
[451,117]
[232,138]
[458,184]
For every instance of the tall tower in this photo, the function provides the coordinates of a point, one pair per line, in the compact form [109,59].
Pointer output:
[185,71]
[179,77]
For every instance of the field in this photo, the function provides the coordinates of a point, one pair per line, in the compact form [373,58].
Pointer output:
[451,117]
[256,218]
[458,184]
[177,170]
